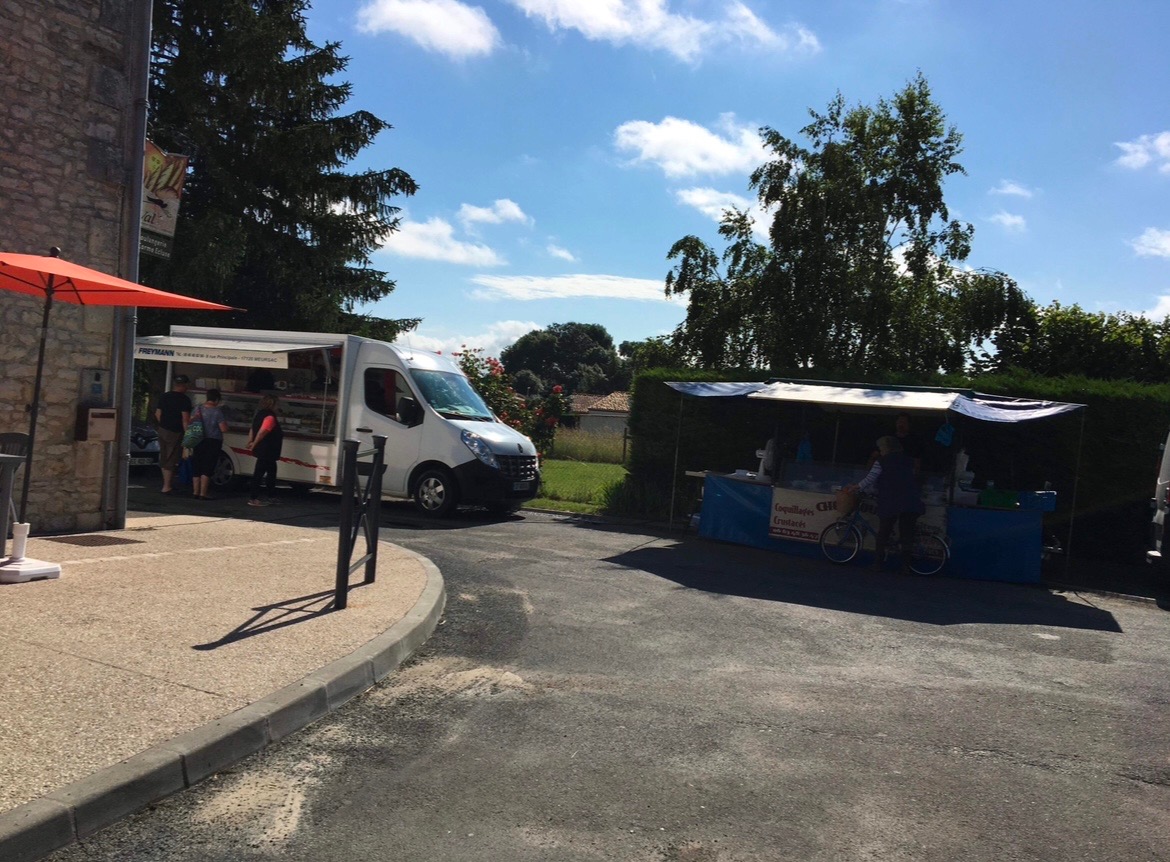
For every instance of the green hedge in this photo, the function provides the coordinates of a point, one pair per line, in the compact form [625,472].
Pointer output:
[1123,425]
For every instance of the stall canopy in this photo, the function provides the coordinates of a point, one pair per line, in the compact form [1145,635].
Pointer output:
[864,397]
[989,408]
[183,348]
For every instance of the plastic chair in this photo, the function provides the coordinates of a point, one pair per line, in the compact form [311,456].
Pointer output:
[13,443]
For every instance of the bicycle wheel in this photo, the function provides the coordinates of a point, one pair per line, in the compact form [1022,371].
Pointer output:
[928,554]
[840,542]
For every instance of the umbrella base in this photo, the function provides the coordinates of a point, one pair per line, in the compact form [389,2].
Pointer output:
[22,570]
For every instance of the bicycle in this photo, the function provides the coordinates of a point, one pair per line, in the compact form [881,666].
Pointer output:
[841,541]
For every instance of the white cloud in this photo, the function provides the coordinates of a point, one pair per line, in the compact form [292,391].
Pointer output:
[1160,310]
[682,148]
[445,27]
[1147,149]
[435,239]
[1010,222]
[501,211]
[651,24]
[561,253]
[1009,187]
[492,340]
[1152,243]
[533,287]
[712,202]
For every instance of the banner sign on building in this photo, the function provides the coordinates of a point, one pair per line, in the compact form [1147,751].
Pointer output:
[162,186]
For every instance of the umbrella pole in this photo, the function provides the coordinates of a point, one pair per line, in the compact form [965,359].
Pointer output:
[36,403]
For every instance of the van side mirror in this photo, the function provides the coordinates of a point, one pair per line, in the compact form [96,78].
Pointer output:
[409,413]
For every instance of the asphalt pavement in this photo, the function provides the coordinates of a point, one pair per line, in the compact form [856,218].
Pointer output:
[171,649]
[610,692]
[203,632]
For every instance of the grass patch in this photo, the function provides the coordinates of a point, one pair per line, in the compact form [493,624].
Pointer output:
[576,486]
[573,444]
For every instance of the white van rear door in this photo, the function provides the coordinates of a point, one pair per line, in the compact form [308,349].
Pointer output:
[373,409]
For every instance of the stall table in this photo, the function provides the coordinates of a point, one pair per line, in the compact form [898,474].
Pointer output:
[986,544]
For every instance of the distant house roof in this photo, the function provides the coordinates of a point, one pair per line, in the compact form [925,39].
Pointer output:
[614,402]
[581,403]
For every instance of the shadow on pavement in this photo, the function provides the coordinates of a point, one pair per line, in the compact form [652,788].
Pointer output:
[1138,580]
[731,570]
[275,616]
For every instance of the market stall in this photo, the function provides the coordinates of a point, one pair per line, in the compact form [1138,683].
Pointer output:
[787,502]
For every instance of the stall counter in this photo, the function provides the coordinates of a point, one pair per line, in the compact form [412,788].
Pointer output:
[986,544]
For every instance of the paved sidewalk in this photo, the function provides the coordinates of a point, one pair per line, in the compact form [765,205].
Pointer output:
[171,649]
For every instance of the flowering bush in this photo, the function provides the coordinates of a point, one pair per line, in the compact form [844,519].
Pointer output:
[536,418]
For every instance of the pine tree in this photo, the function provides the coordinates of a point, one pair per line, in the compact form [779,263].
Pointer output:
[270,220]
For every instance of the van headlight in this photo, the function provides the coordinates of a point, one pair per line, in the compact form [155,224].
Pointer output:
[480,449]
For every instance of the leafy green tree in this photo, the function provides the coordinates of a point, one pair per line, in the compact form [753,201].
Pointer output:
[270,220]
[657,352]
[1067,340]
[580,357]
[527,383]
[862,271]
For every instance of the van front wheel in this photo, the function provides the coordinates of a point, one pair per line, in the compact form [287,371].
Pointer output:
[435,493]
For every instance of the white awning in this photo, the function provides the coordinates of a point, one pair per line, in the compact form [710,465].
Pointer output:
[989,408]
[857,397]
[716,390]
[221,351]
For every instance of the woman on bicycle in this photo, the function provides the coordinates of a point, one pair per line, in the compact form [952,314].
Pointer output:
[898,498]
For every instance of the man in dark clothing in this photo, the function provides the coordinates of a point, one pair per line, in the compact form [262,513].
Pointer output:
[911,443]
[894,476]
[171,416]
[265,441]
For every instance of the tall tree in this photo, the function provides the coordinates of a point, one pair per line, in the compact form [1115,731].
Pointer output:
[862,270]
[657,352]
[1064,340]
[578,356]
[270,219]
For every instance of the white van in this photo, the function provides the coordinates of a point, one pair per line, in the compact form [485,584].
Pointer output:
[444,446]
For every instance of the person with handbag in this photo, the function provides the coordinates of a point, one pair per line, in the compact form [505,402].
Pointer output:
[205,456]
[265,442]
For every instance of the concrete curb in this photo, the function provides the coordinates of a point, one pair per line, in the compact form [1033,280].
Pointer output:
[35,829]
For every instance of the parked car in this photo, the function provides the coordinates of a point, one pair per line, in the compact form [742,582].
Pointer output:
[143,444]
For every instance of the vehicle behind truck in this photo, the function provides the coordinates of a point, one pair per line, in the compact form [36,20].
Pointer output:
[444,446]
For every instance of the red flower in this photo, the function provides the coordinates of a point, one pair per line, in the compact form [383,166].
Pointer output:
[550,421]
[557,389]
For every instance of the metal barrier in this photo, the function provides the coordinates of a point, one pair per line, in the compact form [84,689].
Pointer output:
[358,507]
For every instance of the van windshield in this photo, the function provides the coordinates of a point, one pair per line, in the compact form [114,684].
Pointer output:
[451,395]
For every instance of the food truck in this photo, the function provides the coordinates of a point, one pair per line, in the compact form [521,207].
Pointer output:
[786,504]
[444,446]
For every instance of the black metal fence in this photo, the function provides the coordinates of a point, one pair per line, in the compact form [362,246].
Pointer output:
[360,508]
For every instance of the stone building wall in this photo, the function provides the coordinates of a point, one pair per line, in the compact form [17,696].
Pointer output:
[65,120]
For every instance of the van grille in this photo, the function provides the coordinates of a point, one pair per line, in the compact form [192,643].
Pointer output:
[519,468]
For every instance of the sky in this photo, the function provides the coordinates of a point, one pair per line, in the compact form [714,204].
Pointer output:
[561,147]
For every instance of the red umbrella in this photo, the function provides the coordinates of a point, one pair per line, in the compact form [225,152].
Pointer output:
[56,279]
